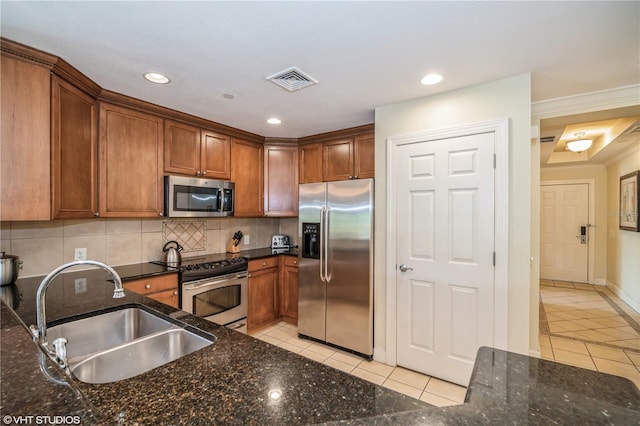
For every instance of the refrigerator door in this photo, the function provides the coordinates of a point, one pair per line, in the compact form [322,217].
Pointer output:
[350,265]
[311,289]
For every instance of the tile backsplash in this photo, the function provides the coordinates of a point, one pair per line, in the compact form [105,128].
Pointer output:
[43,246]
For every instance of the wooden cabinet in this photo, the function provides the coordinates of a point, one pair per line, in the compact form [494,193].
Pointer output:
[247,173]
[131,178]
[310,163]
[192,151]
[74,156]
[163,288]
[349,158]
[25,142]
[263,287]
[280,180]
[288,289]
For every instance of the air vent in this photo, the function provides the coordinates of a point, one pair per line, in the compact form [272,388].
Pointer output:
[292,79]
[547,139]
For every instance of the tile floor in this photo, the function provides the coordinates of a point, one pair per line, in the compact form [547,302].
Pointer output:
[580,324]
[590,327]
[426,388]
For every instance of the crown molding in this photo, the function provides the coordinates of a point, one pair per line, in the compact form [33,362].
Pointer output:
[618,97]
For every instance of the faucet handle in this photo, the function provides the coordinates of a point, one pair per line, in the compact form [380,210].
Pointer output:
[60,348]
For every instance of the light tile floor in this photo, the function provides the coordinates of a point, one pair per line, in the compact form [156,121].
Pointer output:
[580,324]
[588,326]
[426,388]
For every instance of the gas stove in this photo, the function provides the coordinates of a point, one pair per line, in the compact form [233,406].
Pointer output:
[196,268]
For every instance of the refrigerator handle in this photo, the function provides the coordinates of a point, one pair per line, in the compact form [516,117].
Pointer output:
[322,245]
[327,275]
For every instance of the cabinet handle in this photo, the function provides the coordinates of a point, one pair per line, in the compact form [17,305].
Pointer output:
[97,214]
[350,177]
[356,177]
[204,173]
[175,293]
[264,263]
[198,173]
[160,214]
[147,286]
[295,262]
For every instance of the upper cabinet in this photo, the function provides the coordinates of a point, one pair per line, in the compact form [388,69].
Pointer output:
[74,157]
[350,158]
[310,162]
[25,144]
[131,178]
[280,180]
[192,151]
[247,174]
[339,155]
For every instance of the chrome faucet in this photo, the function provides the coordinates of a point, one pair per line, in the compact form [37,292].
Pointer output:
[59,351]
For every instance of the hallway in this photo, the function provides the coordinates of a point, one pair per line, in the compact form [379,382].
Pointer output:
[590,327]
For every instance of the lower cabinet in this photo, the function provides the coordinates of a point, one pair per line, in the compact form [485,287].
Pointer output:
[288,294]
[263,283]
[163,288]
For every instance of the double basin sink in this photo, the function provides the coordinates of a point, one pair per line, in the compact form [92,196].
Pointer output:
[122,344]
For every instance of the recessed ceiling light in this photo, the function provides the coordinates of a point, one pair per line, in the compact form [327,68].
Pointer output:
[156,77]
[430,79]
[228,96]
[274,120]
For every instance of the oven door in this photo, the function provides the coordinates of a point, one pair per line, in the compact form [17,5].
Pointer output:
[222,300]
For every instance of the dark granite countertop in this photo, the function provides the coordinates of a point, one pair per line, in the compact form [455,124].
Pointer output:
[229,381]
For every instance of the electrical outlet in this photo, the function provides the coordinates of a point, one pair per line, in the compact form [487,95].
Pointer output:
[247,240]
[81,285]
[80,254]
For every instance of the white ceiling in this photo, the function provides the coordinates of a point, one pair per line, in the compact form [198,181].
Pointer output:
[364,54]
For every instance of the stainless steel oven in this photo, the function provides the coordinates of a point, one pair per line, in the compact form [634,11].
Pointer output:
[214,287]
[220,299]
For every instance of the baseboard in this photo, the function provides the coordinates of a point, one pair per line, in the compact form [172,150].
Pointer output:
[380,355]
[535,354]
[600,281]
[624,296]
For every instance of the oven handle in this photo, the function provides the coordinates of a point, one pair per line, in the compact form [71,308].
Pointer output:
[207,283]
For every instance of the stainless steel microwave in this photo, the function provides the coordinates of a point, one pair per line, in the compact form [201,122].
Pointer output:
[196,197]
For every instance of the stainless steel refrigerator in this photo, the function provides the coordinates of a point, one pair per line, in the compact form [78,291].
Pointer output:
[335,296]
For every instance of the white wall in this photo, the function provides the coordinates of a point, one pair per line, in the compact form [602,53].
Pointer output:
[511,98]
[623,247]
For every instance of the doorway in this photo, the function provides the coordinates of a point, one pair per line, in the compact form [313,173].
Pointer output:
[447,299]
[564,231]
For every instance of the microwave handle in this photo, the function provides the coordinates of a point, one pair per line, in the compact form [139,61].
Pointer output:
[220,200]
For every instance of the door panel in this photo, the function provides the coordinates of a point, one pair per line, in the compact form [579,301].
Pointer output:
[564,209]
[445,235]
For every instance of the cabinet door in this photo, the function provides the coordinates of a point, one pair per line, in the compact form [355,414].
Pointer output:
[74,151]
[311,163]
[289,290]
[130,163]
[337,160]
[280,181]
[168,297]
[181,148]
[262,307]
[364,158]
[247,173]
[215,155]
[25,142]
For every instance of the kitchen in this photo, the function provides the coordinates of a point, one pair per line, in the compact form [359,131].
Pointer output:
[114,232]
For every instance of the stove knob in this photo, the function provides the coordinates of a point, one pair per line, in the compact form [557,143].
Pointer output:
[196,266]
[188,268]
[206,266]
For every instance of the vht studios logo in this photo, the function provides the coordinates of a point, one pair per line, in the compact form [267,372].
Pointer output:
[41,420]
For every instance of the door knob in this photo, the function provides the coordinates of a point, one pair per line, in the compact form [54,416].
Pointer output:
[404,268]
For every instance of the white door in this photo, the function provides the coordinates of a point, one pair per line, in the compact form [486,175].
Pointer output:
[445,234]
[563,252]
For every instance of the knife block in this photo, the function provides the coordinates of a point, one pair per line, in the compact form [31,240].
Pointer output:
[232,248]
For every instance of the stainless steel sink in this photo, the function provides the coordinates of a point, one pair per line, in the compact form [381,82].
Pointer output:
[93,334]
[139,356]
[122,344]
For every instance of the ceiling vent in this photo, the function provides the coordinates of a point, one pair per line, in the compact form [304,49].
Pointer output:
[547,139]
[292,79]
